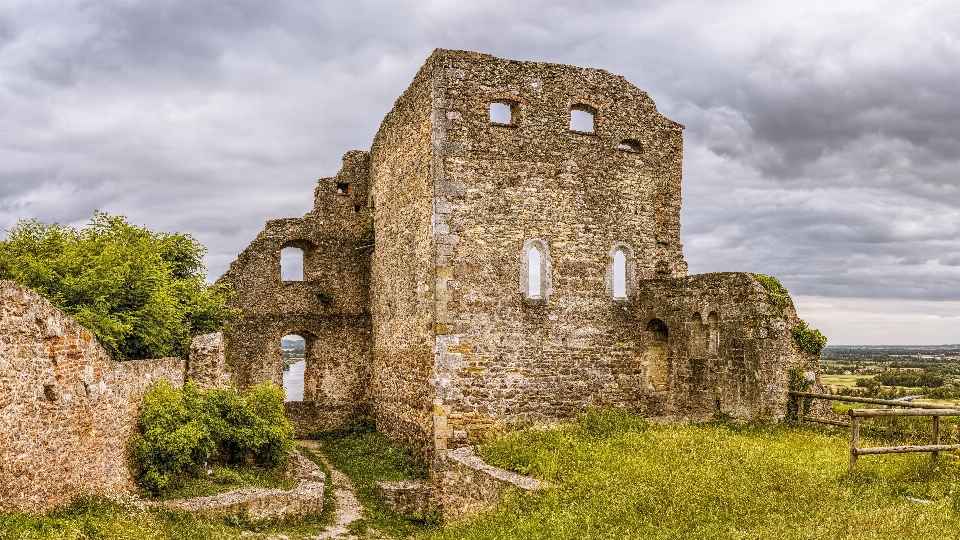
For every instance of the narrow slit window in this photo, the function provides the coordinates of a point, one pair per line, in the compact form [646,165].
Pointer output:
[533,290]
[581,120]
[291,264]
[501,113]
[619,275]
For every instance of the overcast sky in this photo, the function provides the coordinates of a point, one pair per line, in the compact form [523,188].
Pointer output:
[822,142]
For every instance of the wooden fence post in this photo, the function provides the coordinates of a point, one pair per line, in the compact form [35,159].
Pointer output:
[800,410]
[936,439]
[854,439]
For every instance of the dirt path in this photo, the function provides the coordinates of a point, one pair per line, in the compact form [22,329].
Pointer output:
[347,506]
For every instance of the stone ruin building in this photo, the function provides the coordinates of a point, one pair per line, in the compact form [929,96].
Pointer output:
[488,263]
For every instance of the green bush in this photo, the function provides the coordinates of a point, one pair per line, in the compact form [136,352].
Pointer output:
[180,431]
[912,379]
[809,339]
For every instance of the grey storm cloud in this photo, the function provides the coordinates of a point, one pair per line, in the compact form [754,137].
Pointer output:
[822,141]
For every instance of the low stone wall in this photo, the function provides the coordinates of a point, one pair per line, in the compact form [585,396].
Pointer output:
[407,497]
[66,409]
[256,503]
[263,503]
[469,485]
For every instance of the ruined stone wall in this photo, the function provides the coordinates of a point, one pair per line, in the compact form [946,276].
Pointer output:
[726,349]
[403,276]
[67,410]
[329,308]
[577,197]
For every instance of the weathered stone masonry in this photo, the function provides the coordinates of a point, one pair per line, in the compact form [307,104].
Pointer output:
[437,331]
[67,410]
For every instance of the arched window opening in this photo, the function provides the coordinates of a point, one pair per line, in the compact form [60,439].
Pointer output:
[619,274]
[291,264]
[630,145]
[582,118]
[698,336]
[293,354]
[533,264]
[713,321]
[536,284]
[656,354]
[502,112]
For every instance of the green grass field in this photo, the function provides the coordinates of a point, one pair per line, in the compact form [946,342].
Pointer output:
[613,476]
[840,380]
[616,477]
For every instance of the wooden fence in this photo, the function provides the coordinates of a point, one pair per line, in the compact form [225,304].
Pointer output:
[907,409]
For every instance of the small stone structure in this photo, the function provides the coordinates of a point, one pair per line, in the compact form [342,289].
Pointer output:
[67,410]
[522,269]
[207,366]
[469,485]
[408,496]
[263,503]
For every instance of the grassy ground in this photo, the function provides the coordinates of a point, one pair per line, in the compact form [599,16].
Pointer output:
[222,479]
[616,477]
[367,457]
[613,476]
[104,519]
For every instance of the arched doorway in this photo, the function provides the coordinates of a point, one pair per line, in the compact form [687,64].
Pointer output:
[293,351]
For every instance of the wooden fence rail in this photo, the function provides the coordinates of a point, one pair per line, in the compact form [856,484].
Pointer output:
[933,410]
[935,448]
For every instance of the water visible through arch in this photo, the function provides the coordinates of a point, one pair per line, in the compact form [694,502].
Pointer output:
[293,355]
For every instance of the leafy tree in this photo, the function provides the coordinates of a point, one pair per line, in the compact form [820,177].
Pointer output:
[142,293]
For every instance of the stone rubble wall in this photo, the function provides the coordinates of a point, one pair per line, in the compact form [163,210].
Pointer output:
[207,365]
[408,497]
[469,485]
[403,278]
[329,308]
[729,350]
[67,410]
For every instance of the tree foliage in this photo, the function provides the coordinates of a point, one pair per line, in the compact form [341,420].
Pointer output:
[142,293]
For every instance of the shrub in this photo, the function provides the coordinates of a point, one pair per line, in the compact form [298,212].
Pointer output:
[809,339]
[181,430]
[906,378]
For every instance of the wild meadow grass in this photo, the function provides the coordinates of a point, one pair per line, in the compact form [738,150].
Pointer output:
[615,476]
[612,475]
[227,478]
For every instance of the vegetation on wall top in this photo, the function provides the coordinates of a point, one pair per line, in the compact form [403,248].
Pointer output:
[808,339]
[142,293]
